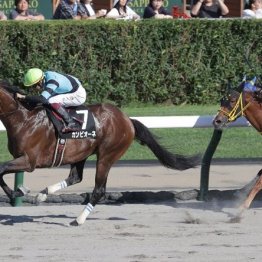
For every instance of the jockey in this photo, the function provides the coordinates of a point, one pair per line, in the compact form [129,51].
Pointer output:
[58,90]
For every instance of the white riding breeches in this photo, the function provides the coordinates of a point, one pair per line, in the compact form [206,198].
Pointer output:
[70,99]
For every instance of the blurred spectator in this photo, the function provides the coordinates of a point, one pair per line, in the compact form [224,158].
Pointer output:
[253,9]
[155,9]
[121,10]
[86,11]
[67,9]
[209,9]
[22,12]
[2,16]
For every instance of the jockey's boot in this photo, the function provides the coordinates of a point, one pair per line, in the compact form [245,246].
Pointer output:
[71,126]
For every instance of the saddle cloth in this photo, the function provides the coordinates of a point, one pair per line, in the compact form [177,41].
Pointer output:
[86,123]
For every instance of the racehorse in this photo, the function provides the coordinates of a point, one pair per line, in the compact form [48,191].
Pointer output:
[32,140]
[243,102]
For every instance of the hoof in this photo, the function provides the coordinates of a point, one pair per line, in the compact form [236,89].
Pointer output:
[23,190]
[242,208]
[40,198]
[74,223]
[236,218]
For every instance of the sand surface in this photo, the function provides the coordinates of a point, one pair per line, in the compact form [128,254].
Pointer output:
[167,231]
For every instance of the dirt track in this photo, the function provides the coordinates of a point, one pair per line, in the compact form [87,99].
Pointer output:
[145,177]
[166,231]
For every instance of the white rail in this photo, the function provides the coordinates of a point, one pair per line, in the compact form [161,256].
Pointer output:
[185,121]
[2,128]
[178,122]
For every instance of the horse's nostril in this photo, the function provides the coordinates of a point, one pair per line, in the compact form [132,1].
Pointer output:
[217,123]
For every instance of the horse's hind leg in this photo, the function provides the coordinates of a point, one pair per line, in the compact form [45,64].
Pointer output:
[252,189]
[75,176]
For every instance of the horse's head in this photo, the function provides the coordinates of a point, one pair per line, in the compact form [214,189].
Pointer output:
[8,103]
[6,96]
[234,103]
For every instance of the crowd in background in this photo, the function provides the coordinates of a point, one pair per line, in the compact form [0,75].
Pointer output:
[83,9]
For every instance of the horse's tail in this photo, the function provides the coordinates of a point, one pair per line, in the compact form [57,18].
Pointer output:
[165,157]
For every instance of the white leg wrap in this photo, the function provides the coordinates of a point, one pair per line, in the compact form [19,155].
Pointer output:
[40,198]
[61,185]
[85,213]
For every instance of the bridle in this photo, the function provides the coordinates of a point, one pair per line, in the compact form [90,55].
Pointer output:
[238,109]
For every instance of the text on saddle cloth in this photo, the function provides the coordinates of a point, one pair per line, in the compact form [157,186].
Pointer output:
[82,116]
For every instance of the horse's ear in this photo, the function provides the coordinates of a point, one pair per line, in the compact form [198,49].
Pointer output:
[253,81]
[240,87]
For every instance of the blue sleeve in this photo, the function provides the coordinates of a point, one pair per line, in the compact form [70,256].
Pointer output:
[50,85]
[56,83]
[45,94]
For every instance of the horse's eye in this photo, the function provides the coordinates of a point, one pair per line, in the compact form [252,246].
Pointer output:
[232,99]
[223,101]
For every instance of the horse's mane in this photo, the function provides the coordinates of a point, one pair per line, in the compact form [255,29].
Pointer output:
[10,88]
[234,93]
[13,90]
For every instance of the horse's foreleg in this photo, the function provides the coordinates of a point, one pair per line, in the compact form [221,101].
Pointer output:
[253,188]
[75,176]
[98,193]
[107,155]
[13,166]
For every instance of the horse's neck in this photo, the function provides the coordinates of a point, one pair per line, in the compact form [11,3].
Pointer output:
[16,120]
[254,115]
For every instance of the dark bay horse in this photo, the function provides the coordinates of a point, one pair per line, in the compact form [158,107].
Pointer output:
[243,102]
[32,141]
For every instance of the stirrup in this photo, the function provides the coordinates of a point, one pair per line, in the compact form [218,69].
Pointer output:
[72,127]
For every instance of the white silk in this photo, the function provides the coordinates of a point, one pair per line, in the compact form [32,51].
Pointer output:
[70,99]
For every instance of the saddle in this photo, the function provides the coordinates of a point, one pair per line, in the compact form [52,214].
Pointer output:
[80,114]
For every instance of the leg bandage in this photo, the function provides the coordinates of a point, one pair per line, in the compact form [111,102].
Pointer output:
[61,185]
[85,213]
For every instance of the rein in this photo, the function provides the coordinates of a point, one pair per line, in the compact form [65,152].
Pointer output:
[238,109]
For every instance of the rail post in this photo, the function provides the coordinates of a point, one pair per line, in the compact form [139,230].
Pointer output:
[205,166]
[19,180]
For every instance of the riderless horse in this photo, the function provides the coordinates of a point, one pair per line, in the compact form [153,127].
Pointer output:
[245,101]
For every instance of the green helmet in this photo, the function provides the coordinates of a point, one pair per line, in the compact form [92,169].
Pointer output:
[33,76]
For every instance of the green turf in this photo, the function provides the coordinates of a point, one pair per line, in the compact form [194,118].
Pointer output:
[170,110]
[243,142]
